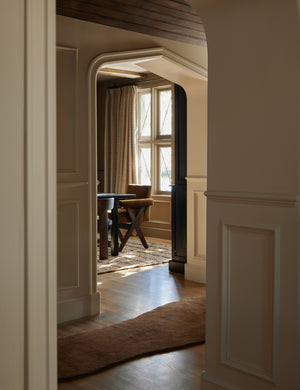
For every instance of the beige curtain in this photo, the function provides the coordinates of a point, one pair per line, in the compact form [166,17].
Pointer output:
[119,139]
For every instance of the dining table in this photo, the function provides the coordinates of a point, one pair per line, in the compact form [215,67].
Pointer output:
[109,201]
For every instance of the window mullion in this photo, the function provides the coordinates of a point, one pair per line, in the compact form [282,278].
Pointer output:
[163,141]
[173,134]
[153,141]
[139,164]
[158,167]
[153,138]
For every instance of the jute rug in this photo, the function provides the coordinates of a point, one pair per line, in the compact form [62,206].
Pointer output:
[135,255]
[168,327]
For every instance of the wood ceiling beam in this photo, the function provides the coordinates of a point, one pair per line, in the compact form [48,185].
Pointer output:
[167,19]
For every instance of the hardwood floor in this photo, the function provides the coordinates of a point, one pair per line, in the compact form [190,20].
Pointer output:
[124,295]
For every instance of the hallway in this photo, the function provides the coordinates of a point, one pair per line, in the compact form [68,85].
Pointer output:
[119,301]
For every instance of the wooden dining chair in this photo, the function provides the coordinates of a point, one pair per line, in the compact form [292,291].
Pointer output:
[134,211]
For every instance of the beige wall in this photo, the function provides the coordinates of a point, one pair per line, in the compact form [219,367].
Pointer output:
[12,235]
[253,189]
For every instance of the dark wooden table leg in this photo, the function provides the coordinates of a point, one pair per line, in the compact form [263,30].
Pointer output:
[114,229]
[103,206]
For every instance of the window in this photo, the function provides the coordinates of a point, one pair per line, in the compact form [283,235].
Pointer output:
[154,137]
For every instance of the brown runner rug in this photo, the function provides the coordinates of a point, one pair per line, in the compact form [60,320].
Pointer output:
[168,327]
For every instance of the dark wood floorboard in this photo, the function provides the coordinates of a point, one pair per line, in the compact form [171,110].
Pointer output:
[127,294]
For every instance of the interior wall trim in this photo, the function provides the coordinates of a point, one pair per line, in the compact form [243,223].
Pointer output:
[218,385]
[75,246]
[161,201]
[157,232]
[73,170]
[196,179]
[37,37]
[158,222]
[66,184]
[71,48]
[271,374]
[265,199]
[195,268]
[107,59]
[78,307]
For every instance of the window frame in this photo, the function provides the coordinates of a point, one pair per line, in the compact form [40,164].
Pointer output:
[155,141]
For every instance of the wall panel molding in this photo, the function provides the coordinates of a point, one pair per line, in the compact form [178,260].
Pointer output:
[34,39]
[250,279]
[78,307]
[159,225]
[198,205]
[68,244]
[280,200]
[195,268]
[211,383]
[67,121]
[74,184]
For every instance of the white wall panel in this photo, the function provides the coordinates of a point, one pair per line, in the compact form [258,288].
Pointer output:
[77,294]
[68,244]
[251,280]
[67,147]
[195,268]
[76,297]
[199,224]
[250,288]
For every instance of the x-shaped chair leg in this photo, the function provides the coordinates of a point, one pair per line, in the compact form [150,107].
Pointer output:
[134,225]
[121,237]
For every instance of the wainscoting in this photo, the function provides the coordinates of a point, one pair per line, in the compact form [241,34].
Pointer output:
[250,257]
[75,295]
[159,225]
[195,268]
[248,327]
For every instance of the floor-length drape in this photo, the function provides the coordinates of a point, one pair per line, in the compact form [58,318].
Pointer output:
[119,139]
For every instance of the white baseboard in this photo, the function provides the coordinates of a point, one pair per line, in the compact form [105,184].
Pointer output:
[195,270]
[150,231]
[209,383]
[79,307]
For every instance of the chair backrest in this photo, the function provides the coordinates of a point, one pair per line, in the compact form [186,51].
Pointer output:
[142,192]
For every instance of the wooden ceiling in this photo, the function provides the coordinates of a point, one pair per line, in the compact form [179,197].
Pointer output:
[171,19]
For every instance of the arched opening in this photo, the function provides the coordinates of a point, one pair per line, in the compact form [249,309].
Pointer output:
[193,79]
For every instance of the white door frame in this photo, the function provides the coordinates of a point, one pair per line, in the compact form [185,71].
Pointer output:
[40,357]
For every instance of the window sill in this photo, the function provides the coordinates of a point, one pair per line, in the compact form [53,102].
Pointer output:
[161,196]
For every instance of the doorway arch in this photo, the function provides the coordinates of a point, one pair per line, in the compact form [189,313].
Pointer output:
[193,79]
